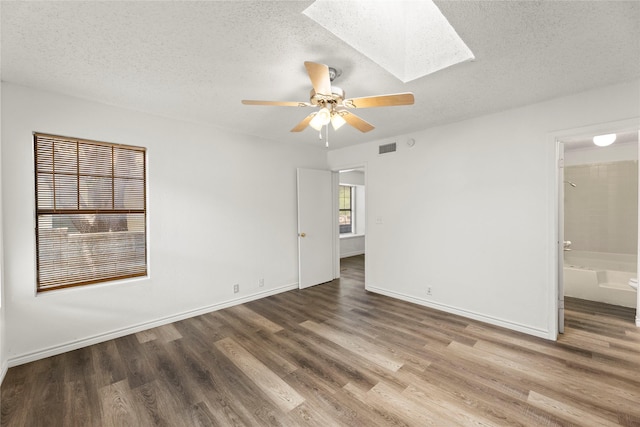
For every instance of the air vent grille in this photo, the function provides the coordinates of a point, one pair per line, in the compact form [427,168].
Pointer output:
[387,148]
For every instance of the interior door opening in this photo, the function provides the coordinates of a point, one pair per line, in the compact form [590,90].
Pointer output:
[598,219]
[351,223]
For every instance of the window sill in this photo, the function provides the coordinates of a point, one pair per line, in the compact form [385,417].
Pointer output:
[350,235]
[131,281]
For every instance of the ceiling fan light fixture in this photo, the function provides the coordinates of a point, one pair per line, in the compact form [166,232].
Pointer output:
[322,117]
[316,123]
[604,140]
[325,115]
[337,121]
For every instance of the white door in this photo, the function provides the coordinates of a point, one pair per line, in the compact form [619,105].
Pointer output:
[561,185]
[315,227]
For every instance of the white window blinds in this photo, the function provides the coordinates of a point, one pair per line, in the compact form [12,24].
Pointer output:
[91,211]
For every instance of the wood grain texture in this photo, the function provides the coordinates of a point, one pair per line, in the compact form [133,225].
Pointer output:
[271,384]
[336,355]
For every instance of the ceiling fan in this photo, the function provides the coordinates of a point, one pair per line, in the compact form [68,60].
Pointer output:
[334,107]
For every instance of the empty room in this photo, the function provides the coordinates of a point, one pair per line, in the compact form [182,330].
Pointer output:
[322,213]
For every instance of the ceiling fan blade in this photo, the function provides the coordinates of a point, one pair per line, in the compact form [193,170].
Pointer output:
[356,121]
[391,100]
[319,75]
[304,123]
[276,103]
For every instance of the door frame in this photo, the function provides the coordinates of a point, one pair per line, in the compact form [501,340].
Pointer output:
[336,170]
[556,255]
[561,238]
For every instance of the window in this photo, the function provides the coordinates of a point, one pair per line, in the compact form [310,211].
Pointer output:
[90,212]
[346,207]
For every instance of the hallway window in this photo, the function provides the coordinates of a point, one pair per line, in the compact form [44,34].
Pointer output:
[346,209]
[90,212]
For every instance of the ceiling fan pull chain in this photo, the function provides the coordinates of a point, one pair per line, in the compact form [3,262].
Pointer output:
[326,144]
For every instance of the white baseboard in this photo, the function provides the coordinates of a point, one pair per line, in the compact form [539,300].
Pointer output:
[354,253]
[542,333]
[74,345]
[3,371]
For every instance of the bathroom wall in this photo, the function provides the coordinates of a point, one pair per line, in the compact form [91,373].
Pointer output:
[601,212]
[592,154]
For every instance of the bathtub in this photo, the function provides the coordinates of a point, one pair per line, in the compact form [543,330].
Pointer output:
[600,276]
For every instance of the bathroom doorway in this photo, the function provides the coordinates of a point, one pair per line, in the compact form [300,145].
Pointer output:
[598,217]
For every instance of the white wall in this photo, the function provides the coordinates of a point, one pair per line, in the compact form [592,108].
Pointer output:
[221,210]
[3,355]
[352,177]
[351,246]
[470,210]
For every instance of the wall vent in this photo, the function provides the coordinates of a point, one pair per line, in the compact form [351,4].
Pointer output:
[387,148]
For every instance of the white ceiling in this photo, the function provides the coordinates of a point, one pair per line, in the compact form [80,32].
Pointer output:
[392,34]
[197,60]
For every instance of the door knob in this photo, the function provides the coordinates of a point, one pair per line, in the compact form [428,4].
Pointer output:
[303,234]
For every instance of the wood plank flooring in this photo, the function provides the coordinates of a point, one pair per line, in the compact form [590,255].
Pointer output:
[336,355]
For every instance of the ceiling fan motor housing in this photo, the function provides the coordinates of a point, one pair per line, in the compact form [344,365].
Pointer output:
[336,97]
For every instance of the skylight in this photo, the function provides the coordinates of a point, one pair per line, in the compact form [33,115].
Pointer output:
[410,39]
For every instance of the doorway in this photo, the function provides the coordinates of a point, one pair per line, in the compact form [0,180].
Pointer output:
[352,223]
[598,217]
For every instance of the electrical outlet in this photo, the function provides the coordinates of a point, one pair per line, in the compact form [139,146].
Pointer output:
[261,282]
[236,288]
[429,290]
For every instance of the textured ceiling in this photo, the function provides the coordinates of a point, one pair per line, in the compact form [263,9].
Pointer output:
[197,60]
[410,39]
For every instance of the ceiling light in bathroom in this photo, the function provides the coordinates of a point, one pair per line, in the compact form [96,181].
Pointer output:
[604,140]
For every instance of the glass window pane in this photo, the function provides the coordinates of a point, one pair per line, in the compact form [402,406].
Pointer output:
[95,192]
[129,163]
[74,177]
[129,193]
[44,158]
[95,160]
[66,192]
[44,190]
[66,157]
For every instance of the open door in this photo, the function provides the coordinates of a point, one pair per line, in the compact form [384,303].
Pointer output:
[561,237]
[315,227]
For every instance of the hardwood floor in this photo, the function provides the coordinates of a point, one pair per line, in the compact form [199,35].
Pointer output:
[335,355]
